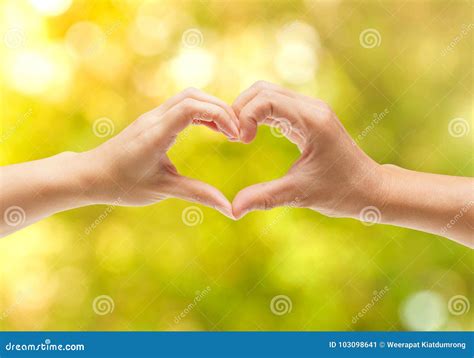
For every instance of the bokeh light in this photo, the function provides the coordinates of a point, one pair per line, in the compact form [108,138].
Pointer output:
[296,63]
[40,72]
[296,60]
[51,7]
[67,66]
[424,311]
[85,39]
[193,67]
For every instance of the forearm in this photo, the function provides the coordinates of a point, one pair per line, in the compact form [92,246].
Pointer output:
[439,204]
[34,190]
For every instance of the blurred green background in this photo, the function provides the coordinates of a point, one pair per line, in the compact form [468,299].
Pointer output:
[67,65]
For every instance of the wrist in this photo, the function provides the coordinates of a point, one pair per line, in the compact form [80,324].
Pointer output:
[70,180]
[391,201]
[385,174]
[95,183]
[370,193]
[58,180]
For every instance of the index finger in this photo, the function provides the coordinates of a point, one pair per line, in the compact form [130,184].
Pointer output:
[274,109]
[250,93]
[194,93]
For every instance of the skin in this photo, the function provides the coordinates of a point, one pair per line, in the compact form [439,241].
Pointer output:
[132,168]
[333,175]
[336,178]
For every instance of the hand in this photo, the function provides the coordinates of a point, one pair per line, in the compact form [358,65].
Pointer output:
[332,176]
[134,165]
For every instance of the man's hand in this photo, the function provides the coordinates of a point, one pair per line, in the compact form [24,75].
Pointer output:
[332,176]
[335,177]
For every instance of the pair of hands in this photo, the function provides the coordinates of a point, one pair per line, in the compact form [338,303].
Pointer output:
[332,176]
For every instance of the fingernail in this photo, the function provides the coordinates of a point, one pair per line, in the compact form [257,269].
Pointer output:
[226,211]
[235,129]
[227,134]
[240,215]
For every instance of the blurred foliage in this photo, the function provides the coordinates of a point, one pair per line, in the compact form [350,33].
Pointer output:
[64,65]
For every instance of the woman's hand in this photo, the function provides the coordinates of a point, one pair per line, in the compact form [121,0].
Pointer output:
[130,169]
[134,165]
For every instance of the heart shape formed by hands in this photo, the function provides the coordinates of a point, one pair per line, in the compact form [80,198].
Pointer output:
[332,175]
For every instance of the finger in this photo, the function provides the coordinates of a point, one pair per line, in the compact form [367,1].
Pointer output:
[210,125]
[247,95]
[265,196]
[213,126]
[183,113]
[199,95]
[272,108]
[199,192]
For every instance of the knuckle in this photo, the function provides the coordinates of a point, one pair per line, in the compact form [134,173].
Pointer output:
[265,102]
[268,202]
[320,117]
[267,94]
[245,113]
[145,117]
[261,85]
[218,113]
[325,111]
[325,122]
[319,102]
[209,114]
[187,105]
[190,91]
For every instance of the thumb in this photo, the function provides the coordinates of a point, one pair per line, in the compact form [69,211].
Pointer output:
[264,196]
[199,192]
